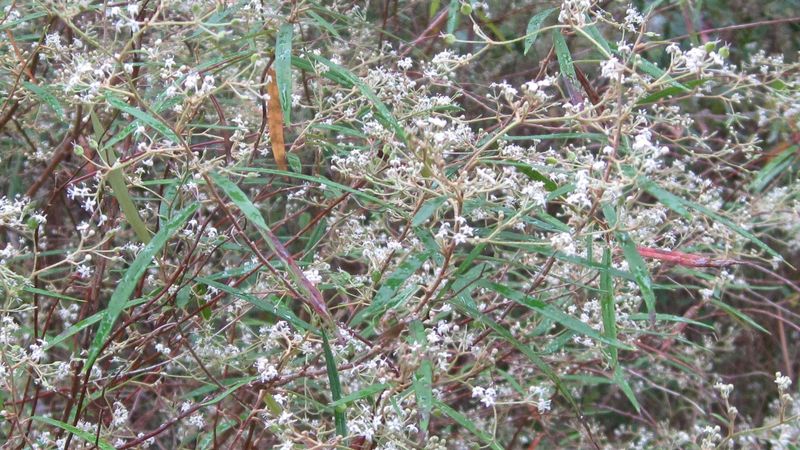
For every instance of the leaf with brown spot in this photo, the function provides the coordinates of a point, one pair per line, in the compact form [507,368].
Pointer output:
[275,121]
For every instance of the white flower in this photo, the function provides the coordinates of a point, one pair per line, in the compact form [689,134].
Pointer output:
[120,416]
[487,396]
[611,68]
[84,271]
[632,18]
[783,382]
[196,420]
[313,276]
[37,350]
[267,371]
[543,404]
[404,63]
[574,12]
[724,389]
[563,242]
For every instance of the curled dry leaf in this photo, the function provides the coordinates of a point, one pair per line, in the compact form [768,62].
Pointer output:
[275,121]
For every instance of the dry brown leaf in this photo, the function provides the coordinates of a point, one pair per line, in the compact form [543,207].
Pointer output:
[275,121]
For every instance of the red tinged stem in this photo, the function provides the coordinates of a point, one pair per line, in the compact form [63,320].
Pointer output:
[684,259]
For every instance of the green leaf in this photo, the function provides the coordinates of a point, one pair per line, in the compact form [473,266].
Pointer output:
[670,91]
[119,186]
[657,73]
[183,296]
[433,8]
[275,308]
[471,311]
[168,202]
[466,423]
[324,23]
[325,182]
[427,210]
[564,57]
[667,198]
[680,205]
[85,323]
[13,23]
[45,95]
[283,68]
[129,281]
[740,316]
[772,169]
[540,137]
[85,435]
[252,214]
[671,318]
[452,16]
[730,224]
[208,441]
[636,263]
[224,394]
[552,313]
[609,314]
[598,39]
[389,288]
[533,27]
[529,171]
[38,291]
[359,394]
[294,163]
[423,377]
[607,306]
[339,416]
[592,33]
[116,179]
[220,18]
[343,76]
[145,117]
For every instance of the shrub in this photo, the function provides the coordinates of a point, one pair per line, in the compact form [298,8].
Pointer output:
[397,225]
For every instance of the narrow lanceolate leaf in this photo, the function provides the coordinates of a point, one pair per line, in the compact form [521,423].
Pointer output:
[359,394]
[339,416]
[119,187]
[129,280]
[609,314]
[314,297]
[267,304]
[552,313]
[452,16]
[344,77]
[275,121]
[471,311]
[636,263]
[658,73]
[667,198]
[773,169]
[83,324]
[680,205]
[283,68]
[533,27]
[423,377]
[433,8]
[47,97]
[145,117]
[427,210]
[607,303]
[564,57]
[388,290]
[83,434]
[468,424]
